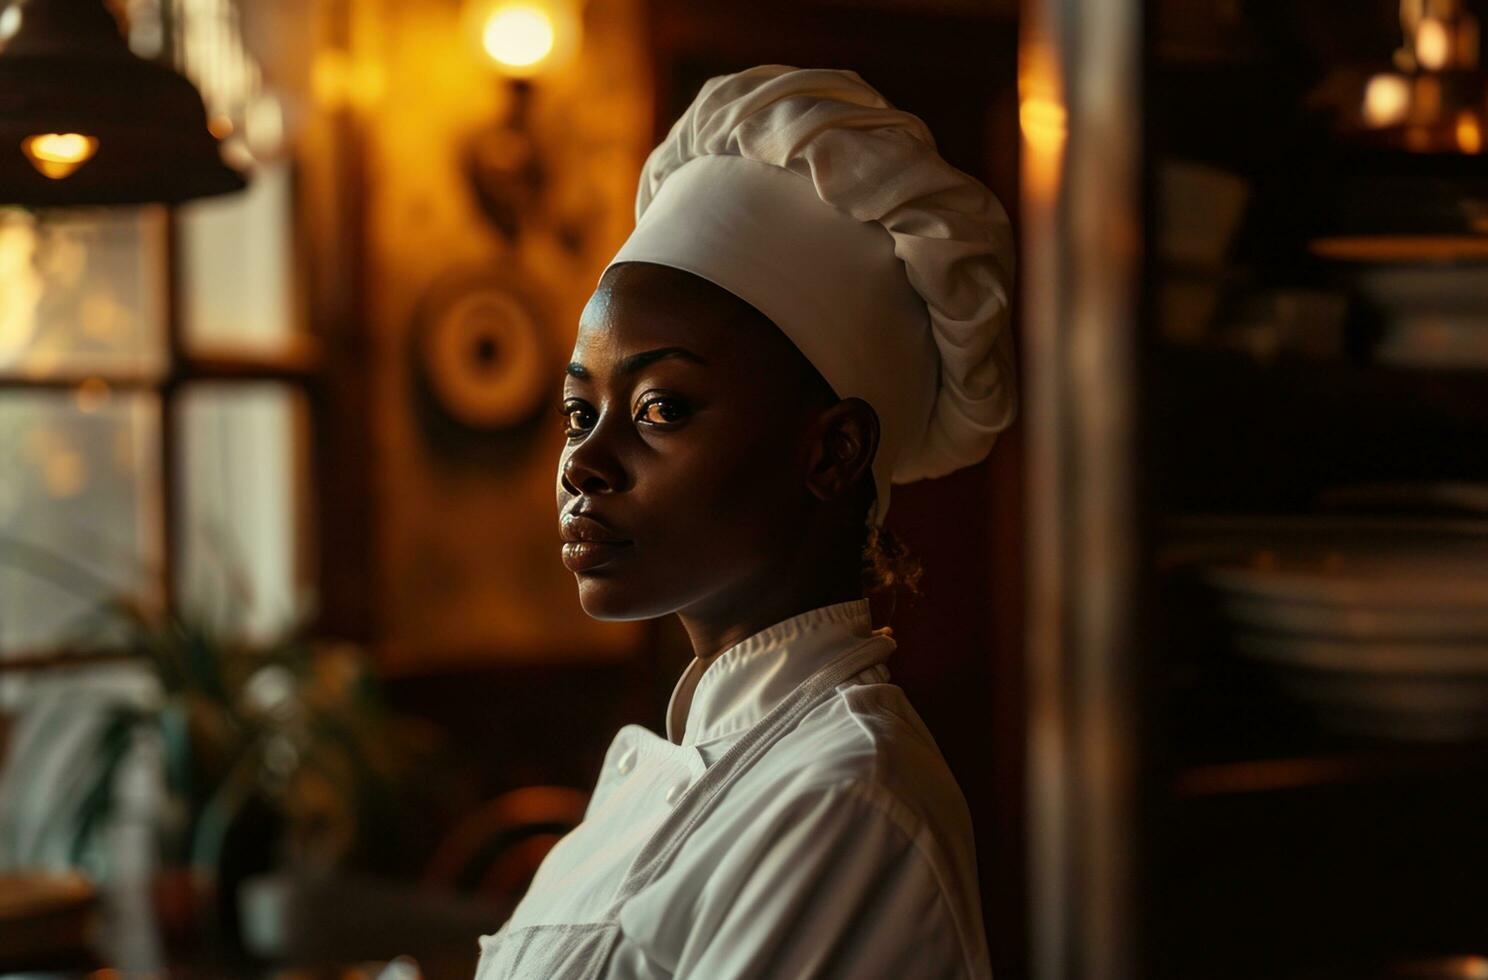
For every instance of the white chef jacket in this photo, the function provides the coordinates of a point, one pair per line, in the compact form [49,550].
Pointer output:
[800,822]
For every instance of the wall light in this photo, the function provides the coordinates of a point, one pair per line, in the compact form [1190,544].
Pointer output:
[526,42]
[518,37]
[526,38]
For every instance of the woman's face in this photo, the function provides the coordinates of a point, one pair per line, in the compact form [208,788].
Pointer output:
[688,417]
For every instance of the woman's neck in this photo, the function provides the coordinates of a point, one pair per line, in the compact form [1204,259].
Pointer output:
[757,605]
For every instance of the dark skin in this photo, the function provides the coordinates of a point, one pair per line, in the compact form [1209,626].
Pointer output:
[709,471]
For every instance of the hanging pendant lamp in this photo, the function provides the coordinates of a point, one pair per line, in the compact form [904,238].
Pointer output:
[83,120]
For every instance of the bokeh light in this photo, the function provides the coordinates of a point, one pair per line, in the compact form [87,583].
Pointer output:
[519,35]
[58,155]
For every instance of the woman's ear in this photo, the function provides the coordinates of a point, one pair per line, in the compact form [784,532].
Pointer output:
[844,443]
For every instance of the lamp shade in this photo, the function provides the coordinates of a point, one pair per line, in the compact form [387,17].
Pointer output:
[83,120]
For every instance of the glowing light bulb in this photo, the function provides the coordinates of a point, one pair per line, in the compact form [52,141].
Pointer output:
[1433,44]
[58,155]
[519,35]
[1386,100]
[1469,132]
[10,22]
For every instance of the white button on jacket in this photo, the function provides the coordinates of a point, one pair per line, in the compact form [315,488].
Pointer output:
[799,822]
[627,761]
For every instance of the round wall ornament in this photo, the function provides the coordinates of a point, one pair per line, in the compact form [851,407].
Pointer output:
[483,353]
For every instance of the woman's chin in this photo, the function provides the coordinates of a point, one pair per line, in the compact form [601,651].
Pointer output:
[610,601]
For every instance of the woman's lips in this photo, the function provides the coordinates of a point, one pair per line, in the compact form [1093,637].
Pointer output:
[589,542]
[584,556]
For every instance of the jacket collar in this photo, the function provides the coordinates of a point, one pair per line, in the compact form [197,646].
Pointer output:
[739,686]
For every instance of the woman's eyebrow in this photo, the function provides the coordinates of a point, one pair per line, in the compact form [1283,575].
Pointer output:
[633,363]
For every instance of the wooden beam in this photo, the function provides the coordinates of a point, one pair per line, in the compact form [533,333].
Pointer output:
[1081,126]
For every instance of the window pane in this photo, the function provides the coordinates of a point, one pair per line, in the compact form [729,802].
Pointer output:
[79,509]
[236,251]
[243,483]
[82,291]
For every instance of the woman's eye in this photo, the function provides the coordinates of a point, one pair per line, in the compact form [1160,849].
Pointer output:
[662,411]
[578,418]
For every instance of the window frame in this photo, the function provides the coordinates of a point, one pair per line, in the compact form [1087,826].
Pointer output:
[298,366]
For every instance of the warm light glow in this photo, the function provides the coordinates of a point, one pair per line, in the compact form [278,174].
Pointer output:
[1433,44]
[1386,100]
[519,35]
[63,147]
[220,127]
[329,79]
[21,296]
[339,82]
[58,155]
[524,39]
[10,22]
[91,395]
[1043,122]
[1469,132]
[65,473]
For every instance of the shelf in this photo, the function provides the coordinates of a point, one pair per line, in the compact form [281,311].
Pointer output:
[1228,434]
[1460,389]
[1283,883]
[1392,764]
[1229,727]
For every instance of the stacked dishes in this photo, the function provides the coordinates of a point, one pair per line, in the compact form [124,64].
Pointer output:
[1430,315]
[1381,624]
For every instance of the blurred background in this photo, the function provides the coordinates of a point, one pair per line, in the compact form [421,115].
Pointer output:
[292,681]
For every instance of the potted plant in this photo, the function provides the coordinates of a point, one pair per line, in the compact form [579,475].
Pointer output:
[268,754]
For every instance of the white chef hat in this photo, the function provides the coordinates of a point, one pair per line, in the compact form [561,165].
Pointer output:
[808,196]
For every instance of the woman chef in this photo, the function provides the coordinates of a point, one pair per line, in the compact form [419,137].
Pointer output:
[813,305]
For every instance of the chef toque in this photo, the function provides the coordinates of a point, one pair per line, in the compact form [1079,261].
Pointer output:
[805,194]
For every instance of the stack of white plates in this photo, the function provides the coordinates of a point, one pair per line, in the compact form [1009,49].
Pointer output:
[1381,624]
[1431,315]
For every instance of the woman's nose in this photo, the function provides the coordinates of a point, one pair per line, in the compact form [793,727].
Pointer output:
[590,468]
